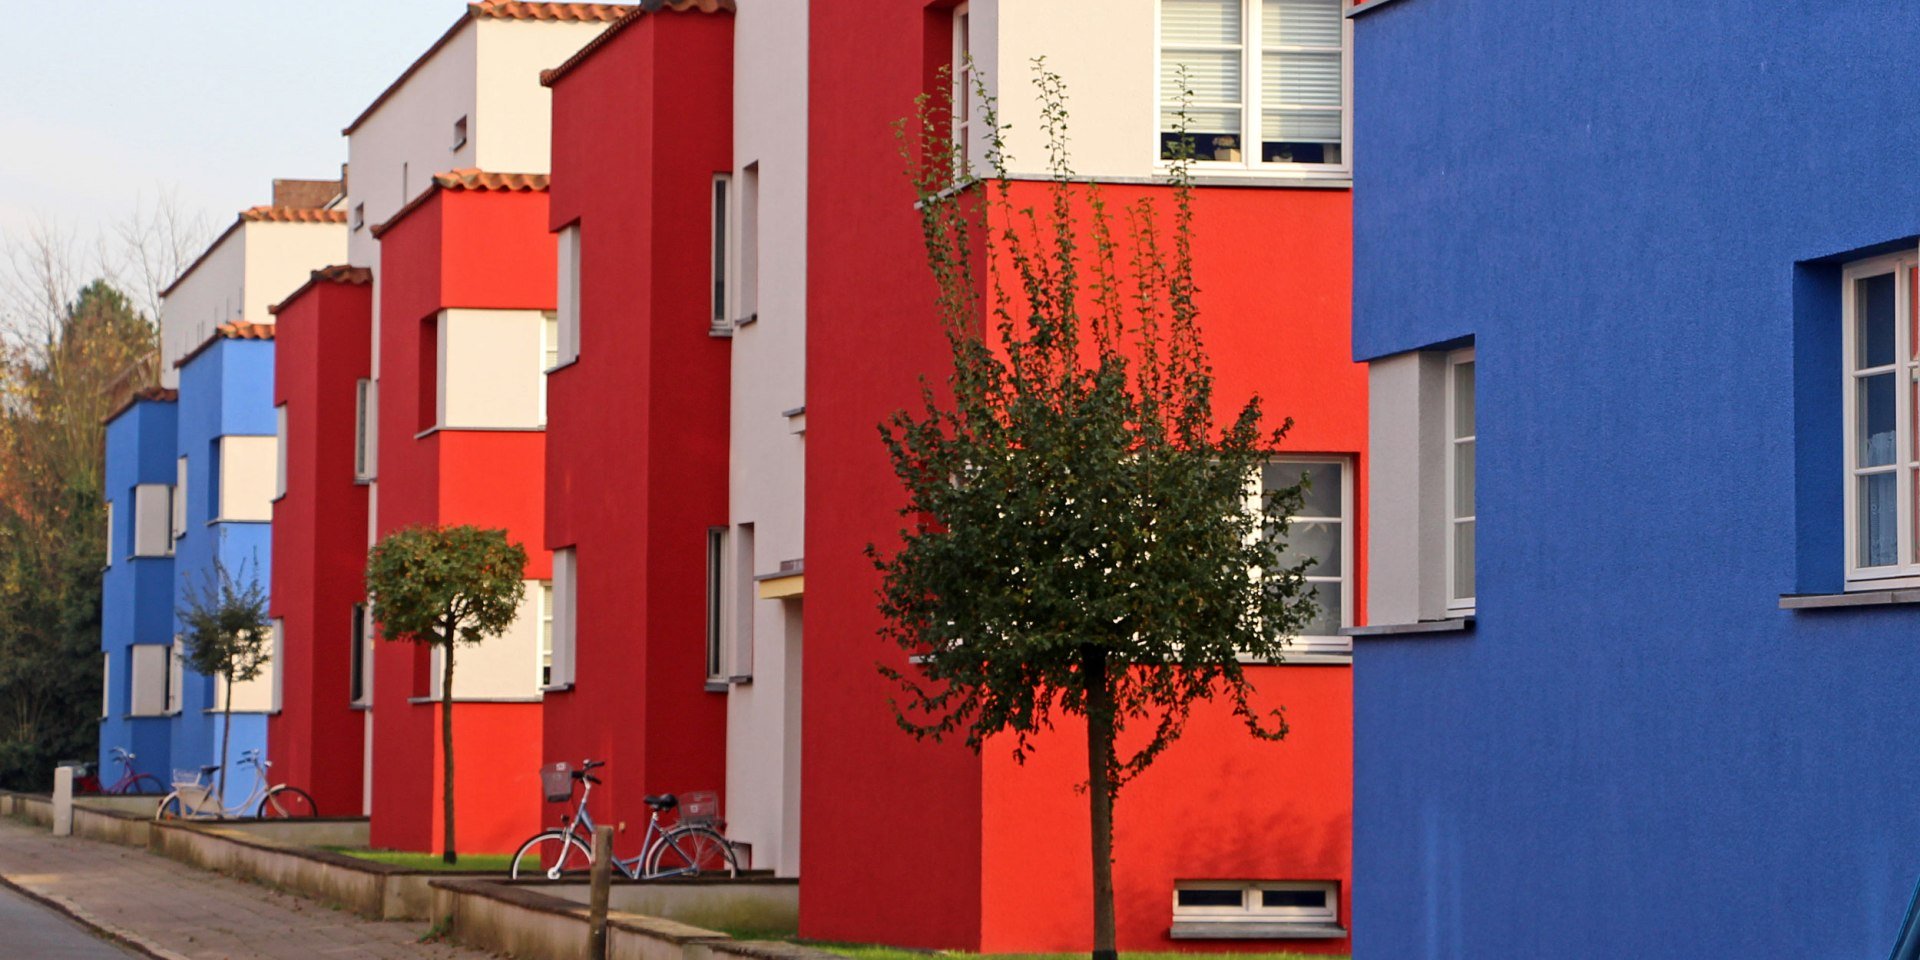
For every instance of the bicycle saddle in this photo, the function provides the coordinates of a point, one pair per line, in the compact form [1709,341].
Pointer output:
[663,802]
[209,767]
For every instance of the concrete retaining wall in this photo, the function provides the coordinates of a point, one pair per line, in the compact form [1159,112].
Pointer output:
[760,908]
[529,921]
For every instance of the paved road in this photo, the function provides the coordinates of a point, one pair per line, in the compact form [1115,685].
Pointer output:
[180,913]
[30,930]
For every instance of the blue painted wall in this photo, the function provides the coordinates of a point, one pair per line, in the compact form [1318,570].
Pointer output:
[1636,209]
[137,594]
[225,390]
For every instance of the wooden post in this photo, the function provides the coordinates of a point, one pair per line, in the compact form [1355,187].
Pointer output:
[597,899]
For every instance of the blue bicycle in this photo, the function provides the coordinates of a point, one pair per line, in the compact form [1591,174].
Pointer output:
[693,846]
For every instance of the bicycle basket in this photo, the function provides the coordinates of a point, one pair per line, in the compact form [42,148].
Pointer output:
[556,781]
[186,778]
[700,806]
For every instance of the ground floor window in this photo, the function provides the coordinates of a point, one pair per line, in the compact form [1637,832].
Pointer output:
[1210,909]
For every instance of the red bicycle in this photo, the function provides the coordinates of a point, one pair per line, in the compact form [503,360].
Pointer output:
[132,781]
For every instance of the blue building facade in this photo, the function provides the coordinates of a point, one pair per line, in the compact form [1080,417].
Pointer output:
[213,449]
[138,585]
[1640,670]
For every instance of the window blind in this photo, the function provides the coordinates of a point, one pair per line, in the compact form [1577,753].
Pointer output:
[1300,70]
[1201,43]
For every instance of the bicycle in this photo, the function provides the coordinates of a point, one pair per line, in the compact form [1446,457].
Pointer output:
[693,846]
[194,796]
[132,780]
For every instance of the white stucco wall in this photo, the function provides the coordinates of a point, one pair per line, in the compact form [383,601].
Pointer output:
[410,138]
[247,473]
[767,484]
[517,110]
[282,256]
[213,293]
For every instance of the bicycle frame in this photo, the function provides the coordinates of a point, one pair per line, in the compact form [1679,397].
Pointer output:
[127,773]
[212,801]
[629,867]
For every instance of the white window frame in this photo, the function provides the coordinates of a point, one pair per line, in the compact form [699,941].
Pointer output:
[1905,571]
[549,354]
[179,513]
[279,451]
[543,649]
[566,612]
[960,88]
[109,533]
[1317,649]
[1250,50]
[568,302]
[364,410]
[1460,606]
[720,212]
[176,677]
[1251,910]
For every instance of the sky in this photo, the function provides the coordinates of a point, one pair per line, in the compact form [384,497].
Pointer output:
[109,102]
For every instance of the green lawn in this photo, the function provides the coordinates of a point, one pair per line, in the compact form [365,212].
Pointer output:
[867,951]
[486,862]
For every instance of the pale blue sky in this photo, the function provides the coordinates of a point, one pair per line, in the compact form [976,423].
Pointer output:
[106,100]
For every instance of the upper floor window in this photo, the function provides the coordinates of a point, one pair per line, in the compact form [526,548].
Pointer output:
[1460,508]
[567,341]
[1882,357]
[562,598]
[109,533]
[1266,81]
[179,498]
[960,95]
[363,429]
[459,133]
[718,319]
[280,451]
[152,514]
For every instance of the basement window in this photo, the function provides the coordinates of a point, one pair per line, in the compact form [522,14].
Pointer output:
[1256,910]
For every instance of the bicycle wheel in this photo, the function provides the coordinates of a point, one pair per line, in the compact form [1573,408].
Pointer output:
[552,855]
[143,784]
[170,808]
[284,803]
[691,852]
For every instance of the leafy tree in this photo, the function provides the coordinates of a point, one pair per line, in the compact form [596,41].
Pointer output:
[1081,537]
[227,635]
[57,385]
[445,586]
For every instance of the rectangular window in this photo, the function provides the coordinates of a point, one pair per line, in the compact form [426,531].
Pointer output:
[358,218]
[566,607]
[1203,909]
[363,411]
[243,469]
[546,633]
[459,133]
[716,591]
[427,412]
[153,520]
[1460,482]
[719,320]
[109,533]
[1267,73]
[106,685]
[1882,390]
[357,656]
[549,354]
[279,451]
[179,523]
[176,675]
[147,689]
[1321,532]
[746,297]
[569,295]
[960,93]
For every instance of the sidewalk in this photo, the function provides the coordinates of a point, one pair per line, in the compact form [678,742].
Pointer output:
[174,911]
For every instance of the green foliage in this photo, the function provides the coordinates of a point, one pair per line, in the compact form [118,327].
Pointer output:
[225,626]
[54,395]
[445,584]
[1075,496]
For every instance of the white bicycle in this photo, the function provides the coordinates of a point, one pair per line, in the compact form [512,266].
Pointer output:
[195,796]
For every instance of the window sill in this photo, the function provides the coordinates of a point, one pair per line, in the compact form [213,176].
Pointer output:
[1254,930]
[1858,598]
[742,680]
[1450,625]
[717,685]
[562,365]
[558,688]
[430,431]
[434,701]
[1362,9]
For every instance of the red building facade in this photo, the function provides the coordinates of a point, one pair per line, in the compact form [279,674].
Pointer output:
[637,404]
[466,284]
[317,737]
[982,853]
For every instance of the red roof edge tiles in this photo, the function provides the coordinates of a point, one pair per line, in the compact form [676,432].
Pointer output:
[339,273]
[153,394]
[292,215]
[496,10]
[231,330]
[468,179]
[547,77]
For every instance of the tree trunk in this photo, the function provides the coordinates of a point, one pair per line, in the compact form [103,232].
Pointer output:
[226,733]
[1100,791]
[446,754]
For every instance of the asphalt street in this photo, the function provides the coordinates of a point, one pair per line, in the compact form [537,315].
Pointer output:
[29,931]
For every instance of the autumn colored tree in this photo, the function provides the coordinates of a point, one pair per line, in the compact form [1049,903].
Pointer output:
[57,385]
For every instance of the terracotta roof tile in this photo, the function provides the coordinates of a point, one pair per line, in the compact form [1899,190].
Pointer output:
[547,77]
[155,394]
[339,273]
[469,179]
[231,330]
[292,215]
[562,12]
[496,10]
